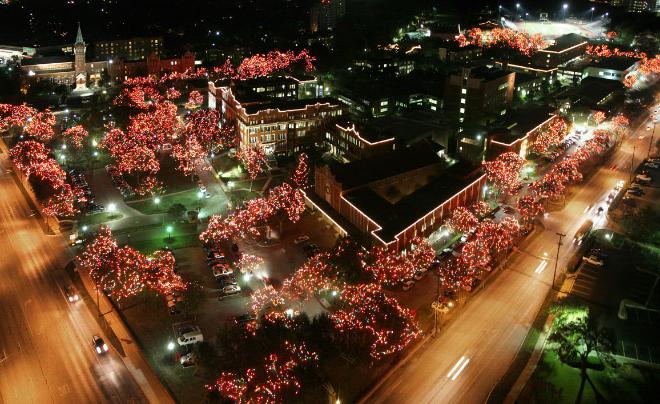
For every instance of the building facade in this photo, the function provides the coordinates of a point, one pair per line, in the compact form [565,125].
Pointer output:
[347,143]
[128,49]
[119,69]
[325,15]
[475,93]
[566,48]
[280,126]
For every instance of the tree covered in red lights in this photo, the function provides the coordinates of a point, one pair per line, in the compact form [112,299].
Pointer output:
[62,203]
[28,155]
[529,208]
[502,37]
[254,160]
[550,136]
[195,99]
[462,220]
[503,172]
[76,135]
[300,176]
[249,264]
[598,117]
[367,319]
[276,381]
[15,116]
[41,126]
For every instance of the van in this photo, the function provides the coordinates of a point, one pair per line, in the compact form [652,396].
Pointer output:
[191,336]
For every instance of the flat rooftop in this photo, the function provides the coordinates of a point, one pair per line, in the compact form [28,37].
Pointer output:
[565,42]
[287,105]
[517,123]
[619,63]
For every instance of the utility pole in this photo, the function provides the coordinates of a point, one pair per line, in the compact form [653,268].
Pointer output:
[632,163]
[559,243]
[651,142]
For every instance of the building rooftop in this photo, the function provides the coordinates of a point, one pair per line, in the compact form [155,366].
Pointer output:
[44,60]
[488,73]
[619,63]
[287,105]
[565,42]
[362,172]
[523,77]
[396,217]
[593,90]
[516,123]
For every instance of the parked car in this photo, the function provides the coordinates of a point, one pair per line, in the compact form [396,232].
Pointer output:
[300,239]
[643,177]
[635,191]
[593,260]
[99,345]
[190,335]
[651,165]
[229,290]
[221,270]
[187,359]
[619,185]
[244,318]
[71,293]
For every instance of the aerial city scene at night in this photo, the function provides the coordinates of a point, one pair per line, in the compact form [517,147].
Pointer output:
[329,201]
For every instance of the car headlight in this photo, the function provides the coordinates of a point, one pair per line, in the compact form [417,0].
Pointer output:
[70,298]
[98,350]
[105,348]
[76,297]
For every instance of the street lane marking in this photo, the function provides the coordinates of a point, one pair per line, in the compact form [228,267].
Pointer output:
[541,267]
[460,361]
[460,369]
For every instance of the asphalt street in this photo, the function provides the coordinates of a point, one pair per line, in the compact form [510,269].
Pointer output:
[469,356]
[46,352]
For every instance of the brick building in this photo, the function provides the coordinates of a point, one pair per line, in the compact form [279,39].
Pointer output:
[392,198]
[282,126]
[120,69]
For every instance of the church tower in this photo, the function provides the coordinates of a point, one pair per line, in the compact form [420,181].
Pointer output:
[79,62]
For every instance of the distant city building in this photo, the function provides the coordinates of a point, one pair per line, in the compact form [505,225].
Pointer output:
[65,69]
[325,15]
[591,95]
[119,69]
[10,53]
[128,49]
[396,65]
[475,93]
[349,143]
[394,197]
[527,85]
[282,126]
[640,6]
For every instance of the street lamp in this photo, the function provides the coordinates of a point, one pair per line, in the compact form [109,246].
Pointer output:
[157,200]
[169,233]
[170,346]
[564,7]
[592,13]
[112,208]
[517,8]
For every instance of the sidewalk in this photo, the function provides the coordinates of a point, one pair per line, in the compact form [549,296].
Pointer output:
[132,356]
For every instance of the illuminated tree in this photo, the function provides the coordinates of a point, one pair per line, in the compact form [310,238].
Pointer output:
[249,264]
[529,208]
[503,172]
[598,117]
[27,155]
[76,134]
[389,267]
[62,204]
[550,136]
[40,126]
[480,208]
[172,94]
[276,380]
[195,99]
[265,298]
[315,275]
[15,116]
[367,317]
[462,220]
[300,176]
[160,274]
[254,160]
[189,155]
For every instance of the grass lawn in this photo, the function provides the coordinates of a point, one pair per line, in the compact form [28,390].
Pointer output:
[555,382]
[189,199]
[227,167]
[178,240]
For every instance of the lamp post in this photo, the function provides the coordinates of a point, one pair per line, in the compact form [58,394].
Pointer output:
[632,162]
[499,12]
[169,234]
[564,7]
[559,243]
[592,13]
[517,8]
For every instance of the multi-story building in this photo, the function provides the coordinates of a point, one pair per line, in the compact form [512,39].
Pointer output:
[477,93]
[282,126]
[128,49]
[528,85]
[640,6]
[350,142]
[396,65]
[120,69]
[565,48]
[612,68]
[325,15]
[452,53]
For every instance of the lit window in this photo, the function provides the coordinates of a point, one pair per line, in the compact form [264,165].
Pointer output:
[463,90]
[462,100]
[462,110]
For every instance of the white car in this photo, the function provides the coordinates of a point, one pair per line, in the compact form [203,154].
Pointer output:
[407,285]
[230,290]
[643,177]
[300,239]
[619,185]
[71,294]
[593,260]
[220,270]
[99,345]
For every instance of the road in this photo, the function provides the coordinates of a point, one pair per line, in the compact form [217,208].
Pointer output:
[474,351]
[45,343]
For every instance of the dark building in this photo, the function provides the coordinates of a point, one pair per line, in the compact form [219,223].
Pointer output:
[566,48]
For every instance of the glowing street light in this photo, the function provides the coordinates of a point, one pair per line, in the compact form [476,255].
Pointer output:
[169,233]
[156,200]
[564,8]
[112,208]
[170,346]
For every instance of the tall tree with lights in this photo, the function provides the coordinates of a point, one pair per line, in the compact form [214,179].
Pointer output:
[76,135]
[254,160]
[300,176]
